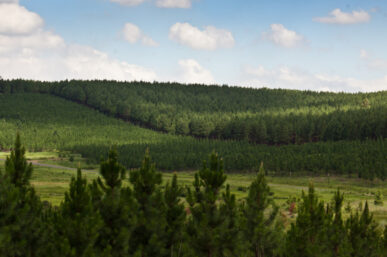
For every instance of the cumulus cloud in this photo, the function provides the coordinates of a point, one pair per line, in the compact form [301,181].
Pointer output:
[192,72]
[210,38]
[36,53]
[339,17]
[133,34]
[128,2]
[372,62]
[290,78]
[174,3]
[282,36]
[15,19]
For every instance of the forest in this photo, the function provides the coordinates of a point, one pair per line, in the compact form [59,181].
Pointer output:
[51,123]
[108,217]
[260,116]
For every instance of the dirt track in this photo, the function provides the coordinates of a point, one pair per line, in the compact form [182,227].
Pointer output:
[52,166]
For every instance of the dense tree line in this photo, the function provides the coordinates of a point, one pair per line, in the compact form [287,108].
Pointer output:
[261,116]
[105,218]
[48,122]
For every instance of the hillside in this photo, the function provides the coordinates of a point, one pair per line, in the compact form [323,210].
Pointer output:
[48,122]
[261,116]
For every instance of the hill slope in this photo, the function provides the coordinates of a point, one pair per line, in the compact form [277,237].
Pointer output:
[48,122]
[263,116]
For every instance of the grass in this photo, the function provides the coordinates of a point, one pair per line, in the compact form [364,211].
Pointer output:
[52,183]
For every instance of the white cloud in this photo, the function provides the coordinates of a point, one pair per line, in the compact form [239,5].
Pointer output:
[282,36]
[192,72]
[210,38]
[40,54]
[15,19]
[372,62]
[339,17]
[133,34]
[9,1]
[174,3]
[285,77]
[128,2]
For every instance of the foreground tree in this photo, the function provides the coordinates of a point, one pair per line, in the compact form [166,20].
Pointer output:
[363,234]
[338,242]
[148,238]
[20,208]
[17,170]
[209,226]
[262,234]
[175,217]
[114,204]
[307,237]
[78,223]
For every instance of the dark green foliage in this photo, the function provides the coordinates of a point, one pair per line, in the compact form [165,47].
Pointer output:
[363,234]
[337,236]
[20,208]
[175,217]
[17,170]
[212,226]
[77,222]
[109,218]
[115,207]
[48,122]
[308,236]
[149,231]
[262,234]
[290,116]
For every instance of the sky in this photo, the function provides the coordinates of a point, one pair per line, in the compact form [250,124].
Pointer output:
[330,45]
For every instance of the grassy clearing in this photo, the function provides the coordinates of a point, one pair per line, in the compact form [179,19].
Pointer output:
[52,183]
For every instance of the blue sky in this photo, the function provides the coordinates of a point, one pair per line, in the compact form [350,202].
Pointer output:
[317,45]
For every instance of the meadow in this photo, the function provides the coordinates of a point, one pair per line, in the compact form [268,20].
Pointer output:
[52,183]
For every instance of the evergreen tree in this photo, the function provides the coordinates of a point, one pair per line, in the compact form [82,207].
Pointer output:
[262,234]
[78,222]
[207,226]
[307,236]
[148,237]
[16,167]
[363,234]
[337,234]
[114,206]
[20,208]
[175,217]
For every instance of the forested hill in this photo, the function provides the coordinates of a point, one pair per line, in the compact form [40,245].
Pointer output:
[263,116]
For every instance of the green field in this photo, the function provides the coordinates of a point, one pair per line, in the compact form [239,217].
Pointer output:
[51,184]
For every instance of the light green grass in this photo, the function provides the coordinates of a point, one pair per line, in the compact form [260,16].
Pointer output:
[52,183]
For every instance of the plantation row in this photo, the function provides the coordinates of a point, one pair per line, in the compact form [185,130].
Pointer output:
[48,123]
[147,219]
[262,116]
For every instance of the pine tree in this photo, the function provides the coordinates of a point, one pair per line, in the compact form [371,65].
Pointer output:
[78,222]
[16,167]
[148,237]
[175,217]
[20,207]
[307,236]
[337,234]
[114,205]
[206,225]
[363,234]
[262,234]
